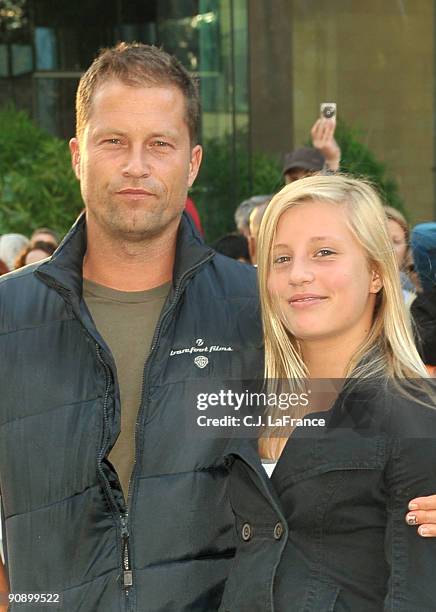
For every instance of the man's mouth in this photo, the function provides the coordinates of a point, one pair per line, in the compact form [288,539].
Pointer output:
[132,191]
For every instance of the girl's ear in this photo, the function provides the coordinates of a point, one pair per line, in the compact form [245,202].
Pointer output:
[376,282]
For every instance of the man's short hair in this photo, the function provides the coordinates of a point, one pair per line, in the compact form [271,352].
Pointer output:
[245,208]
[138,65]
[256,217]
[45,230]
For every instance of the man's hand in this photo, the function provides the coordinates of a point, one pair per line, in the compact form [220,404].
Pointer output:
[323,139]
[422,512]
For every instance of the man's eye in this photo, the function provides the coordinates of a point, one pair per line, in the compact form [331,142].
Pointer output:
[114,141]
[160,143]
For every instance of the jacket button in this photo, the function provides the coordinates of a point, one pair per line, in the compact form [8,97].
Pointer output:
[278,531]
[246,532]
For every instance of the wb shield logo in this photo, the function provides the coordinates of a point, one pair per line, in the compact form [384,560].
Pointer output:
[201,361]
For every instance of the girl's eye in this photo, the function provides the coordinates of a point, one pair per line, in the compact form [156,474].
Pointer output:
[325,253]
[281,259]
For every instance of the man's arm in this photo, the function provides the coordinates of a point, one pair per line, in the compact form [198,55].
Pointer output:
[422,512]
[323,139]
[4,587]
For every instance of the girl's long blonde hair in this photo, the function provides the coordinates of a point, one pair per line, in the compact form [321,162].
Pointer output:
[390,340]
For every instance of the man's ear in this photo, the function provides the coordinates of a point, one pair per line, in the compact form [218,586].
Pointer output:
[376,282]
[75,156]
[194,164]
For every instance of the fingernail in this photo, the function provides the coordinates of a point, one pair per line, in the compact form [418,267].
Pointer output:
[411,519]
[423,531]
[413,506]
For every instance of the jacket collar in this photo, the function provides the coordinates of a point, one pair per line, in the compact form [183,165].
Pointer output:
[63,270]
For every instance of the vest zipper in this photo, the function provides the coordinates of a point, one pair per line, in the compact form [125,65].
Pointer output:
[106,426]
[127,571]
[154,342]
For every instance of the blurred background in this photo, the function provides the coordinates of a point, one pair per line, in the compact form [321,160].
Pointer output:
[264,68]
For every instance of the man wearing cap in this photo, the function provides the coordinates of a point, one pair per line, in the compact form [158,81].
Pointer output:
[324,155]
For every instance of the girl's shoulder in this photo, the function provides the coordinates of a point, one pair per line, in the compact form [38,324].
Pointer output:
[397,408]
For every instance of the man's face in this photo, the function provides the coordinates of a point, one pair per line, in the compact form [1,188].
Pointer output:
[296,174]
[43,237]
[134,160]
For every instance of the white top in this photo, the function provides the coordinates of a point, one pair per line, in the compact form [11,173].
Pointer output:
[269,466]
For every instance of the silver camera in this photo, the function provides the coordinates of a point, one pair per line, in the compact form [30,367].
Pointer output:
[328,110]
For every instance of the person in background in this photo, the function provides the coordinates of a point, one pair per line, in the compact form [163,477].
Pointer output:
[399,233]
[10,246]
[34,252]
[243,212]
[192,211]
[423,244]
[423,310]
[3,268]
[45,234]
[234,246]
[254,224]
[325,155]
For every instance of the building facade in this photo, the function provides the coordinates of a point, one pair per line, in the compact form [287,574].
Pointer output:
[264,68]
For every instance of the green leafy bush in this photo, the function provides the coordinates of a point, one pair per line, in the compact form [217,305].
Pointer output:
[227,177]
[223,184]
[37,185]
[358,159]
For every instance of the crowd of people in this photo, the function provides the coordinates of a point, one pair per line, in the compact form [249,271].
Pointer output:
[111,497]
[17,250]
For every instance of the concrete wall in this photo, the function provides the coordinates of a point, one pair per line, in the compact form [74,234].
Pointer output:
[374,58]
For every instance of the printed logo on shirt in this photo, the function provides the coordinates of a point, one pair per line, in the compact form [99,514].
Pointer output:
[201,348]
[201,361]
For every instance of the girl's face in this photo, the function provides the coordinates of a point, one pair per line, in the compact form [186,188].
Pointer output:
[320,277]
[398,238]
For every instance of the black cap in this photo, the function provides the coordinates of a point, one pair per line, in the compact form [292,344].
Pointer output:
[306,158]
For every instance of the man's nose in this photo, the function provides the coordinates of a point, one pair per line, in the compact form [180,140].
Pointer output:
[300,271]
[137,163]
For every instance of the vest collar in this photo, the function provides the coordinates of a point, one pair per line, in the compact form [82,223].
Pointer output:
[63,270]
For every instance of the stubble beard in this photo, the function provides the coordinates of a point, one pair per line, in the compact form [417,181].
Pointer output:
[134,224]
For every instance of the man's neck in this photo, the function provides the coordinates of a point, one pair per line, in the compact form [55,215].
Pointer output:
[129,266]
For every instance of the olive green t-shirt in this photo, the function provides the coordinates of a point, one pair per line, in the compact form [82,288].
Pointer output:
[126,320]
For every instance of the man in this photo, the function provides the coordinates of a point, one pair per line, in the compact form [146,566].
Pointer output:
[109,501]
[256,217]
[233,245]
[243,212]
[45,234]
[324,155]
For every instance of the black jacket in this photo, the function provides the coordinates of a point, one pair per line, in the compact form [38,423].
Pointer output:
[423,310]
[344,491]
[67,527]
